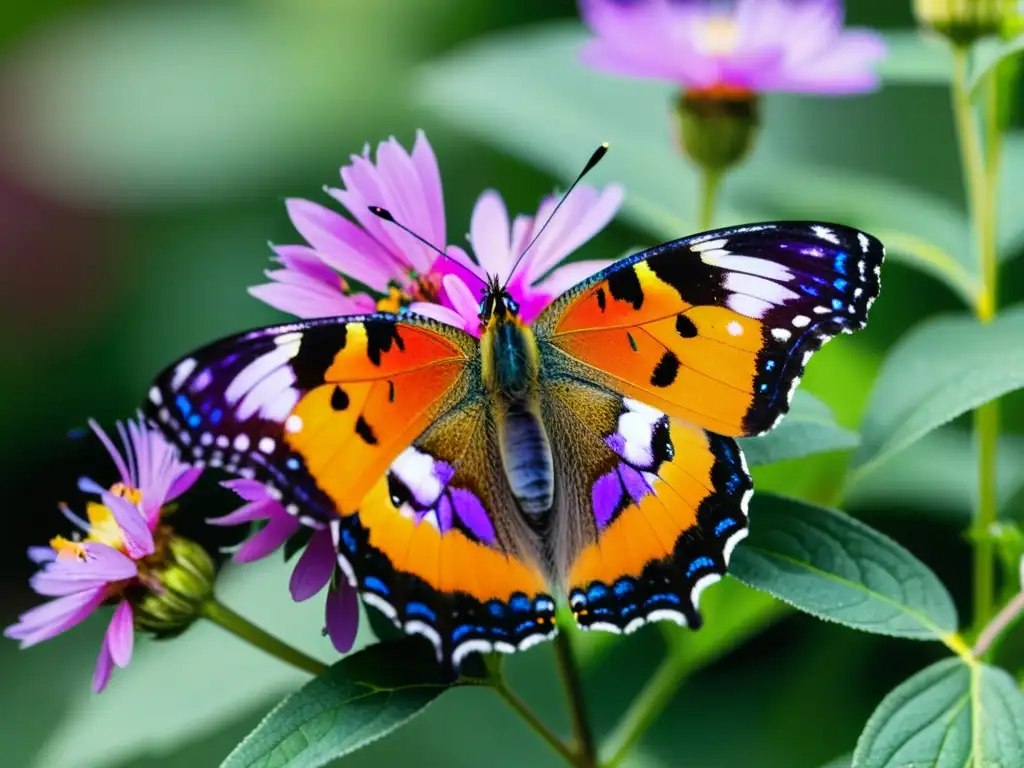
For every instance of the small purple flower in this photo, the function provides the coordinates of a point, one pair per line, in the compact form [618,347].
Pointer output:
[114,552]
[313,279]
[733,49]
[497,246]
[317,566]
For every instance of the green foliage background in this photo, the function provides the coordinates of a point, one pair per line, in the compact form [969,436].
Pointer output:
[145,149]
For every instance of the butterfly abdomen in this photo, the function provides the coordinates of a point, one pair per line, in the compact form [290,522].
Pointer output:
[526,457]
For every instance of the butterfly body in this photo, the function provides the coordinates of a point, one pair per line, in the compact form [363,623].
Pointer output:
[589,457]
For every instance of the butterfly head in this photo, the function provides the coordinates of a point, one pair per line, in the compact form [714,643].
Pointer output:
[497,305]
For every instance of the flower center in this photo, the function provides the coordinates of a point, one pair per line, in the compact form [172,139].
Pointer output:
[394,301]
[719,36]
[67,549]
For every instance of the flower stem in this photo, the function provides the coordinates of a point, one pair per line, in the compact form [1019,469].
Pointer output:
[521,708]
[981,174]
[224,617]
[587,753]
[998,625]
[711,181]
[645,709]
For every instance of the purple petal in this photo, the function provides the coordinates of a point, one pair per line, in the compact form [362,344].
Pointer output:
[182,483]
[65,576]
[40,555]
[315,567]
[53,617]
[266,540]
[104,666]
[309,302]
[307,262]
[115,454]
[250,490]
[462,299]
[248,513]
[489,234]
[120,636]
[430,182]
[445,315]
[342,615]
[138,539]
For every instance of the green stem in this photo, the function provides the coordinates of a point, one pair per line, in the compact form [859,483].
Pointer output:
[711,181]
[567,669]
[221,615]
[986,429]
[645,709]
[521,708]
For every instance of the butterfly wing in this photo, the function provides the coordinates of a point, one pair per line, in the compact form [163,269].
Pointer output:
[316,409]
[382,419]
[650,507]
[716,329]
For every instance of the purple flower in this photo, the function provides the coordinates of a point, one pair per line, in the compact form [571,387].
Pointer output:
[317,566]
[497,246]
[749,46]
[313,279]
[113,553]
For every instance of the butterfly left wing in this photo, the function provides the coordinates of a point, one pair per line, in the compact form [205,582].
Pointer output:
[650,507]
[316,409]
[716,328]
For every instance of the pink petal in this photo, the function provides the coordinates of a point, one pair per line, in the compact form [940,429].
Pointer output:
[249,490]
[305,261]
[64,576]
[489,234]
[54,617]
[430,183]
[182,483]
[104,666]
[115,455]
[315,567]
[275,533]
[307,303]
[342,615]
[40,555]
[444,315]
[120,637]
[138,539]
[461,298]
[264,509]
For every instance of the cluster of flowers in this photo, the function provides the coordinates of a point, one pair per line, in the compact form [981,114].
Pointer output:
[126,547]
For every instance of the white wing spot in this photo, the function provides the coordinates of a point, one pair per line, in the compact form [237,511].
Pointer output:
[293,423]
[266,444]
[155,397]
[825,234]
[241,443]
[709,245]
[734,329]
[182,371]
[801,321]
[781,334]
[865,244]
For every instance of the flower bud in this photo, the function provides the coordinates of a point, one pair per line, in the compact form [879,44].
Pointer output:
[182,583]
[964,21]
[716,131]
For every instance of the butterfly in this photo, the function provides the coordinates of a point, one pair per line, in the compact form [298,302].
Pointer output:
[473,483]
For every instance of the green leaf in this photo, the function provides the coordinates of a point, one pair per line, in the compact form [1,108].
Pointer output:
[809,428]
[363,697]
[943,368]
[1010,219]
[528,94]
[914,58]
[951,714]
[838,569]
[989,57]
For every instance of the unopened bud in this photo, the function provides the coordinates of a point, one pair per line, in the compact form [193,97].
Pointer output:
[183,583]
[964,21]
[716,131]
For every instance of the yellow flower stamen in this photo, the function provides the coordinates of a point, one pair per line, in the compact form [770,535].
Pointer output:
[134,495]
[720,36]
[396,298]
[67,549]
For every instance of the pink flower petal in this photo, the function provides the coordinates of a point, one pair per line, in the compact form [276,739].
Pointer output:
[54,617]
[307,302]
[264,509]
[64,576]
[462,299]
[444,315]
[40,555]
[275,533]
[183,483]
[138,539]
[120,637]
[104,666]
[489,234]
[249,490]
[315,566]
[342,615]
[115,455]
[305,261]
[430,183]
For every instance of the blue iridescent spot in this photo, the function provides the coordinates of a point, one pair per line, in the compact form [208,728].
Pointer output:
[496,609]
[183,405]
[724,525]
[840,284]
[525,626]
[348,540]
[623,587]
[216,416]
[461,631]
[810,290]
[195,420]
[662,597]
[840,263]
[698,563]
[732,483]
[769,365]
[419,609]
[837,304]
[520,603]
[764,387]
[372,582]
[597,592]
[292,463]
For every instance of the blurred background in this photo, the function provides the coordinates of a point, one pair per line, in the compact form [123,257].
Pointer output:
[146,149]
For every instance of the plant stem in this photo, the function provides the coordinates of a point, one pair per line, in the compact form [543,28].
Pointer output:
[587,753]
[998,625]
[645,709]
[521,708]
[981,174]
[221,615]
[711,181]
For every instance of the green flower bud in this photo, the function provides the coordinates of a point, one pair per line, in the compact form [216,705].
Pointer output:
[716,131]
[964,21]
[180,585]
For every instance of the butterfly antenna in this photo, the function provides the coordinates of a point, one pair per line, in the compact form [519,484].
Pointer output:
[384,213]
[594,160]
